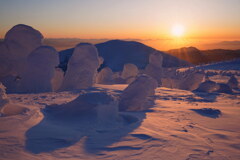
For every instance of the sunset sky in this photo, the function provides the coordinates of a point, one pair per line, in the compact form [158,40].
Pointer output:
[121,19]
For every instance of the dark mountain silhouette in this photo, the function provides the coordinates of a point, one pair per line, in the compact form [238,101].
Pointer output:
[116,53]
[196,56]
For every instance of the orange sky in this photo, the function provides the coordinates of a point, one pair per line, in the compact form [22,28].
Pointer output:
[135,19]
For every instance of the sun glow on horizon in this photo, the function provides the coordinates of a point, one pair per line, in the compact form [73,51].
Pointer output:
[178,30]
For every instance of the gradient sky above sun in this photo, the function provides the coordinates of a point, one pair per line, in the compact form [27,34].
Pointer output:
[140,19]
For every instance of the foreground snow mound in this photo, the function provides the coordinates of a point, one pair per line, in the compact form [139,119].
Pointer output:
[19,42]
[82,67]
[6,107]
[233,82]
[92,104]
[135,96]
[86,102]
[40,70]
[105,76]
[208,86]
[91,118]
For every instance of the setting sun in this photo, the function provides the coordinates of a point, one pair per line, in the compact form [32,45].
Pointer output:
[178,30]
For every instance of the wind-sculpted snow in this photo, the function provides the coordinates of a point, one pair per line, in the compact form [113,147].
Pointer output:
[82,67]
[154,68]
[189,80]
[19,42]
[40,70]
[135,97]
[130,71]
[57,79]
[105,76]
[24,35]
[156,59]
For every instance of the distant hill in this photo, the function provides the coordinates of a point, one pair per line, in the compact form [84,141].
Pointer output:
[65,43]
[196,56]
[190,54]
[116,53]
[217,55]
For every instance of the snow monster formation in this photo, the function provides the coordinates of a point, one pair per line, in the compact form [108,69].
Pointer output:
[191,80]
[39,71]
[136,96]
[82,67]
[130,71]
[57,79]
[154,68]
[188,80]
[18,43]
[105,76]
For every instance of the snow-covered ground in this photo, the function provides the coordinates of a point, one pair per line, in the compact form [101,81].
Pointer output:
[181,125]
[226,65]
